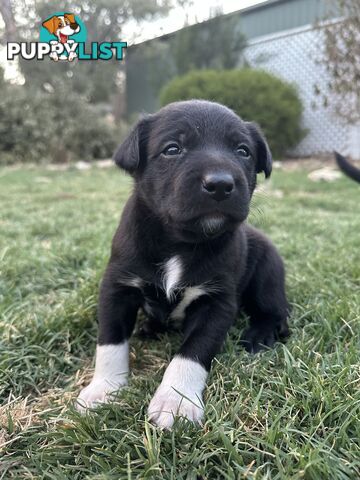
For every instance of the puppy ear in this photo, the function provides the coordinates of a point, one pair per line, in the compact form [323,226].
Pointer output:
[70,17]
[132,151]
[51,24]
[263,154]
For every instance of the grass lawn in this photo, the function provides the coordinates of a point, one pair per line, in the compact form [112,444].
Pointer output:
[289,413]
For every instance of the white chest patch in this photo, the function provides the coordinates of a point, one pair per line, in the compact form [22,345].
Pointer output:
[191,294]
[172,275]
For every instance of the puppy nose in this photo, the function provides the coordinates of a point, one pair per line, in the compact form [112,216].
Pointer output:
[218,185]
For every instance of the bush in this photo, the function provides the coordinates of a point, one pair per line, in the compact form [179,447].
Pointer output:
[45,127]
[253,94]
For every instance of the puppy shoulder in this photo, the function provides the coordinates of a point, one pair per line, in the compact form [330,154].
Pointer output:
[254,235]
[259,245]
[123,239]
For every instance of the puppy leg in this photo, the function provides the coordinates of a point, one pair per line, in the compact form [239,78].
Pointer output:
[180,392]
[264,300]
[118,306]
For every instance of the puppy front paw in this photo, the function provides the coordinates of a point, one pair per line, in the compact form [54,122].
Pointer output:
[72,56]
[97,392]
[167,404]
[54,56]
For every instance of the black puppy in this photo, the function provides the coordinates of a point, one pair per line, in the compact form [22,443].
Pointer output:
[183,252]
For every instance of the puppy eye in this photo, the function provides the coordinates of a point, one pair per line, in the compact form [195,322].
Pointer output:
[172,150]
[243,151]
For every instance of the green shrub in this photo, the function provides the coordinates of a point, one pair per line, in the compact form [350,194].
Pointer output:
[45,127]
[253,94]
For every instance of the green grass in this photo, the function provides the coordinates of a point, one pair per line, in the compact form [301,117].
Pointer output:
[289,413]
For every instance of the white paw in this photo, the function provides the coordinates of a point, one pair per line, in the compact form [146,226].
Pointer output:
[167,403]
[72,55]
[54,56]
[97,392]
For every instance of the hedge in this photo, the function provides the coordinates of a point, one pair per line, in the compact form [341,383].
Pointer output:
[254,95]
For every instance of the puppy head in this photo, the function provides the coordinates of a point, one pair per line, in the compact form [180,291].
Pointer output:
[195,166]
[66,24]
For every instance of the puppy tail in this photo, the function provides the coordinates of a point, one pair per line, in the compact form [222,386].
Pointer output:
[345,166]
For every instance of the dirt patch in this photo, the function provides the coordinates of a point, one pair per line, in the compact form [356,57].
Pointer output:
[311,163]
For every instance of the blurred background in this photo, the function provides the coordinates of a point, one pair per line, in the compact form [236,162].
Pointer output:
[294,67]
[291,65]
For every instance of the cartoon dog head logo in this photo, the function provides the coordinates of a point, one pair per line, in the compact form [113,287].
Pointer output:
[62,27]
